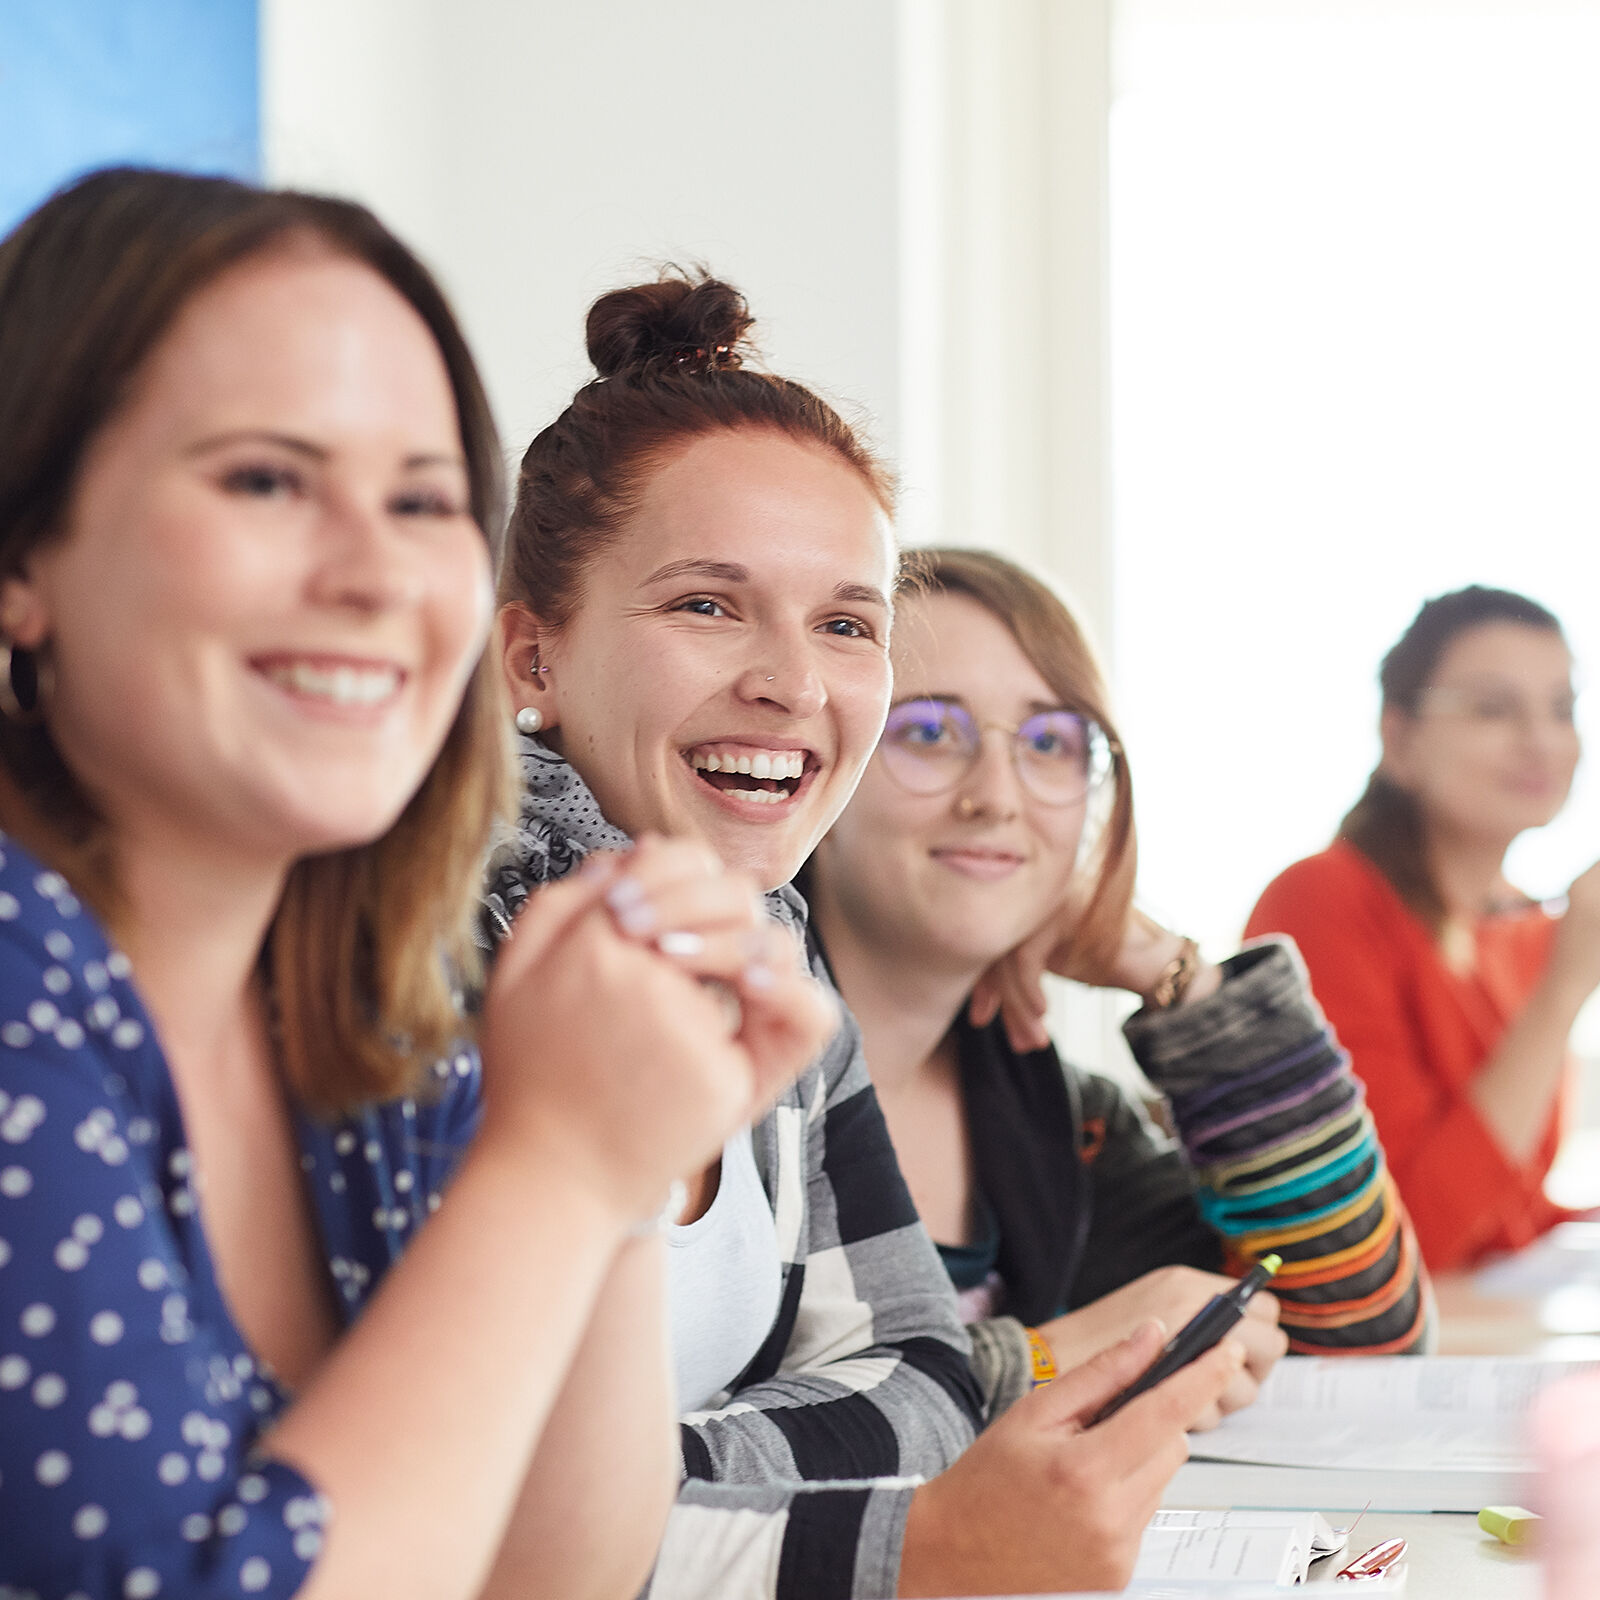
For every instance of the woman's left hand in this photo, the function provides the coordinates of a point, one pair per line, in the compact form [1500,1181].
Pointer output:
[716,928]
[1013,987]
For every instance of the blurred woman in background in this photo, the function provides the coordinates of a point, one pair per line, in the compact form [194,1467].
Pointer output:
[1453,991]
[992,837]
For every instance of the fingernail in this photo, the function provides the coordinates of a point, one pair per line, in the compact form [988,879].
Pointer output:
[680,942]
[625,892]
[638,920]
[758,975]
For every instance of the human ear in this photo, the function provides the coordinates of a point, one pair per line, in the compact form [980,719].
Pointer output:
[1397,729]
[524,664]
[24,616]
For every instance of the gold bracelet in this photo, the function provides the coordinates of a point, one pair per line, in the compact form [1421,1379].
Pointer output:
[1044,1364]
[1176,976]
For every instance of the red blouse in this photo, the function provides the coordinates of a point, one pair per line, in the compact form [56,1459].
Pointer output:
[1417,1034]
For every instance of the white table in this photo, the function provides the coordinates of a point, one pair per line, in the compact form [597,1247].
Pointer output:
[1449,1557]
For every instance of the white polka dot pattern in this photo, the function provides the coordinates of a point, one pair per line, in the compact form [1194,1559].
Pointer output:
[128,1400]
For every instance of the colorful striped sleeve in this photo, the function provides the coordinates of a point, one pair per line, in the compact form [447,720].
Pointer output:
[1276,1129]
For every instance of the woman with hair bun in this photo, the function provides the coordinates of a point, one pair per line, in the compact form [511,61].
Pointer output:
[1454,993]
[282,1311]
[697,598]
[991,837]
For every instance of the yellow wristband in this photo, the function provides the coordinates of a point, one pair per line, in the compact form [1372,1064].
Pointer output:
[1044,1364]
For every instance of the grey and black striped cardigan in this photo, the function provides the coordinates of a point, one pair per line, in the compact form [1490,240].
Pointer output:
[797,1483]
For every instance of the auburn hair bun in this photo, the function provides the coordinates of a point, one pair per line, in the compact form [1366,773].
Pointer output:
[693,322]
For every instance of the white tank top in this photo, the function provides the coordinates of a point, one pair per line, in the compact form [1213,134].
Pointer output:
[723,1281]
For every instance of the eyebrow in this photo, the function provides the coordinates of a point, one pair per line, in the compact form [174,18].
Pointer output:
[732,572]
[861,594]
[1489,684]
[698,567]
[304,447]
[1035,707]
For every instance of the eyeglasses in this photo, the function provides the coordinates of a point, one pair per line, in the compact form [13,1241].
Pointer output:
[1494,708]
[929,746]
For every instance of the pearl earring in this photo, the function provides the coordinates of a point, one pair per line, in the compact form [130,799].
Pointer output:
[530,719]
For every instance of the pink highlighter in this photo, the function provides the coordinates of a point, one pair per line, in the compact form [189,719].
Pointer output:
[1373,1563]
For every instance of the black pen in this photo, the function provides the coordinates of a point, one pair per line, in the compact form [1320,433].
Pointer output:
[1204,1329]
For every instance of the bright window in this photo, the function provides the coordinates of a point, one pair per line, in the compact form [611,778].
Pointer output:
[1356,362]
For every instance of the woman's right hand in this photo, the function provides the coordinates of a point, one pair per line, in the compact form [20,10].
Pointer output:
[623,1063]
[1043,1503]
[1576,957]
[1013,986]
[1173,1295]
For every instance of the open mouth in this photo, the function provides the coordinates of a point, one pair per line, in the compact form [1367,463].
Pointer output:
[760,777]
[340,683]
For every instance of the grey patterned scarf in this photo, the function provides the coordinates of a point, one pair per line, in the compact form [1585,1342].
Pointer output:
[559,822]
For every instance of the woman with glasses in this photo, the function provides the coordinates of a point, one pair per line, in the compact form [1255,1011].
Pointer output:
[992,837]
[1453,991]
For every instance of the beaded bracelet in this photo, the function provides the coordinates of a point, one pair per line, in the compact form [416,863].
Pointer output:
[1044,1364]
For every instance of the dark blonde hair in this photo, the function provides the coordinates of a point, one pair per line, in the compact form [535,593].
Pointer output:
[669,357]
[361,947]
[1049,636]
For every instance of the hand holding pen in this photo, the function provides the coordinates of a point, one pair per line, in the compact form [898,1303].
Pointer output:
[1206,1328]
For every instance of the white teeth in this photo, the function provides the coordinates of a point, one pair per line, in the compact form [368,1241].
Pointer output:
[766,797]
[763,764]
[344,686]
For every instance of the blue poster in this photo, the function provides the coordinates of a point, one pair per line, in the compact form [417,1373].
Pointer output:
[87,83]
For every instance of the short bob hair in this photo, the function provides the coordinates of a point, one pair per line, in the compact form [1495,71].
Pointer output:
[367,942]
[1049,636]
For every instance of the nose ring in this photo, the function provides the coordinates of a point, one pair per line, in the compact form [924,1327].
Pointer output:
[966,807]
[769,680]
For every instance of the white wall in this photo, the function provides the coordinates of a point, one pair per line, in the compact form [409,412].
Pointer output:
[1356,367]
[912,193]
[538,152]
[1004,170]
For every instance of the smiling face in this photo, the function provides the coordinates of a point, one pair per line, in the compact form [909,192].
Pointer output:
[269,592]
[951,881]
[1492,747]
[725,673]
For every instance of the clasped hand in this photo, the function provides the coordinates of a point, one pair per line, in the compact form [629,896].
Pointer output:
[607,1040]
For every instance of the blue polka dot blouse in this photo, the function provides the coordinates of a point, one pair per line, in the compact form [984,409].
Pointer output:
[130,1405]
